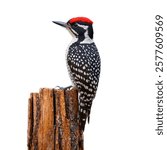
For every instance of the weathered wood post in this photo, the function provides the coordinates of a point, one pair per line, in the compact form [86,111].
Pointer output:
[52,120]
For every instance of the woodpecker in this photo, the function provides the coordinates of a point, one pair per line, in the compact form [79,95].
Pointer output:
[83,63]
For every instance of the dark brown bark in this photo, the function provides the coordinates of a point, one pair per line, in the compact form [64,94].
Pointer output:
[53,120]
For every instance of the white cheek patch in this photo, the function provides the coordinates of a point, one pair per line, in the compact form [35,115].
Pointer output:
[83,26]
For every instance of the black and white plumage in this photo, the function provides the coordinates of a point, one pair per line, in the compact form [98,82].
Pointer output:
[83,63]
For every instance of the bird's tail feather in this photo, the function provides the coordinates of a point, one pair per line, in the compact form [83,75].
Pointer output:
[84,109]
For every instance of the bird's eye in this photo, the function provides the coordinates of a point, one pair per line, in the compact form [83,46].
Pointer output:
[74,25]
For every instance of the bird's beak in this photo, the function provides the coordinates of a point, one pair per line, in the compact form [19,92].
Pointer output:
[63,24]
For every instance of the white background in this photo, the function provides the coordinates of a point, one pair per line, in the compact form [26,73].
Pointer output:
[32,55]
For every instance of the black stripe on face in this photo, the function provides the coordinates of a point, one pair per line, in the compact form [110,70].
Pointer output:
[77,29]
[73,32]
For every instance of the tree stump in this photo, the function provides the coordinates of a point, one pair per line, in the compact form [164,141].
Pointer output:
[53,120]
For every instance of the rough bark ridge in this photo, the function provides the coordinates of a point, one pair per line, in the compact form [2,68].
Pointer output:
[52,120]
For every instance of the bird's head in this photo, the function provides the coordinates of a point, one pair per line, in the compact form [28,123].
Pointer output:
[79,26]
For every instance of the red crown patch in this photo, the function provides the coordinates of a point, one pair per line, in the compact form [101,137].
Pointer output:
[80,19]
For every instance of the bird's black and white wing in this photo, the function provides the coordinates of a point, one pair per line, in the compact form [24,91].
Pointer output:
[84,68]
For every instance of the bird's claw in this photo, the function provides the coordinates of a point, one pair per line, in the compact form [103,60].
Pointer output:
[64,88]
[68,87]
[58,88]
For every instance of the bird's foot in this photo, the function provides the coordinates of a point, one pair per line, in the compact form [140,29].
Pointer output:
[64,88]
[68,88]
[58,88]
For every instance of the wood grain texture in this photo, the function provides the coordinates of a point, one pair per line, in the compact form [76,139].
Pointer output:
[53,120]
